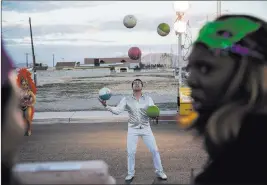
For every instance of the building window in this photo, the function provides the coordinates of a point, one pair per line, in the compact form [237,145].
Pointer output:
[123,70]
[96,62]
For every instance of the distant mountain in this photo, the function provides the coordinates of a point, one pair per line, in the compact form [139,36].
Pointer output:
[20,65]
[161,58]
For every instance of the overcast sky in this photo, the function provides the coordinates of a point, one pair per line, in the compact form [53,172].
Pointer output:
[75,30]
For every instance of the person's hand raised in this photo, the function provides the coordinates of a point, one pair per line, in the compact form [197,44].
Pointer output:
[103,102]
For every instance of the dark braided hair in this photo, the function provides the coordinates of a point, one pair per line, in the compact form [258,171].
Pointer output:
[245,87]
[10,133]
[6,88]
[235,131]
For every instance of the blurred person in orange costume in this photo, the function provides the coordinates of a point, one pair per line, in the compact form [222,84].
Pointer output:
[27,97]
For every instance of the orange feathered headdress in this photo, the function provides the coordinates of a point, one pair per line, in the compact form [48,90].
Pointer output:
[187,120]
[24,74]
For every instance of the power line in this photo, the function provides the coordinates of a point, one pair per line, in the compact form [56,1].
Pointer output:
[5,21]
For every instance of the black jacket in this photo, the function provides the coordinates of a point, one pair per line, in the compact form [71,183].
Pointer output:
[244,160]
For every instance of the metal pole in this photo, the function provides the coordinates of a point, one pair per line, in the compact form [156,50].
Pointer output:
[150,58]
[53,60]
[27,63]
[218,8]
[178,66]
[180,57]
[176,70]
[33,55]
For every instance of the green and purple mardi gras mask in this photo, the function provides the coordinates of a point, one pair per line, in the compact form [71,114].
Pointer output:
[237,27]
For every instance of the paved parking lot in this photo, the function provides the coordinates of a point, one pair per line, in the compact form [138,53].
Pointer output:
[107,141]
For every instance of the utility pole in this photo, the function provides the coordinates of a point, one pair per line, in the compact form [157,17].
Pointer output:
[27,63]
[33,55]
[53,60]
[218,8]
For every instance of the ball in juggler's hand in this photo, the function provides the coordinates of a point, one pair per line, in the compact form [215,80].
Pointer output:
[104,94]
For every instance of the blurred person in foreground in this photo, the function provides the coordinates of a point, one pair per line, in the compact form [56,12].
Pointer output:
[229,91]
[13,129]
[138,125]
[12,123]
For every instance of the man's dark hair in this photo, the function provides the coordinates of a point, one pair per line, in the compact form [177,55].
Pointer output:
[137,80]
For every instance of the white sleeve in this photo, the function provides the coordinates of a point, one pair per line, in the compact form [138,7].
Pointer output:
[119,108]
[150,101]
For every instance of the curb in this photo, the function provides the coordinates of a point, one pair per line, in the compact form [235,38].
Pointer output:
[51,121]
[86,121]
[91,119]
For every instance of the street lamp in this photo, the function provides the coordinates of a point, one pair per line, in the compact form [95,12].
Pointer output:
[179,26]
[180,6]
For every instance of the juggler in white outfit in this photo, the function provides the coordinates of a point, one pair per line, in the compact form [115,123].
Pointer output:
[138,125]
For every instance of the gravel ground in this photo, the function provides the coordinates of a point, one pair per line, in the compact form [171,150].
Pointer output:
[80,93]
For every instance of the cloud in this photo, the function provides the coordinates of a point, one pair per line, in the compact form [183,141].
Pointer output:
[108,33]
[61,34]
[46,6]
[144,24]
[57,39]
[86,14]
[94,29]
[80,23]
[108,38]
[19,31]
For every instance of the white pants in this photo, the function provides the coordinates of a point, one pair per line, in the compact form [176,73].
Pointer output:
[150,142]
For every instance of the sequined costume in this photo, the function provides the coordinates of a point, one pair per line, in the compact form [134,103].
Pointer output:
[27,97]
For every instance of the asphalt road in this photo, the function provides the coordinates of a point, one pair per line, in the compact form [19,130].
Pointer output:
[180,152]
